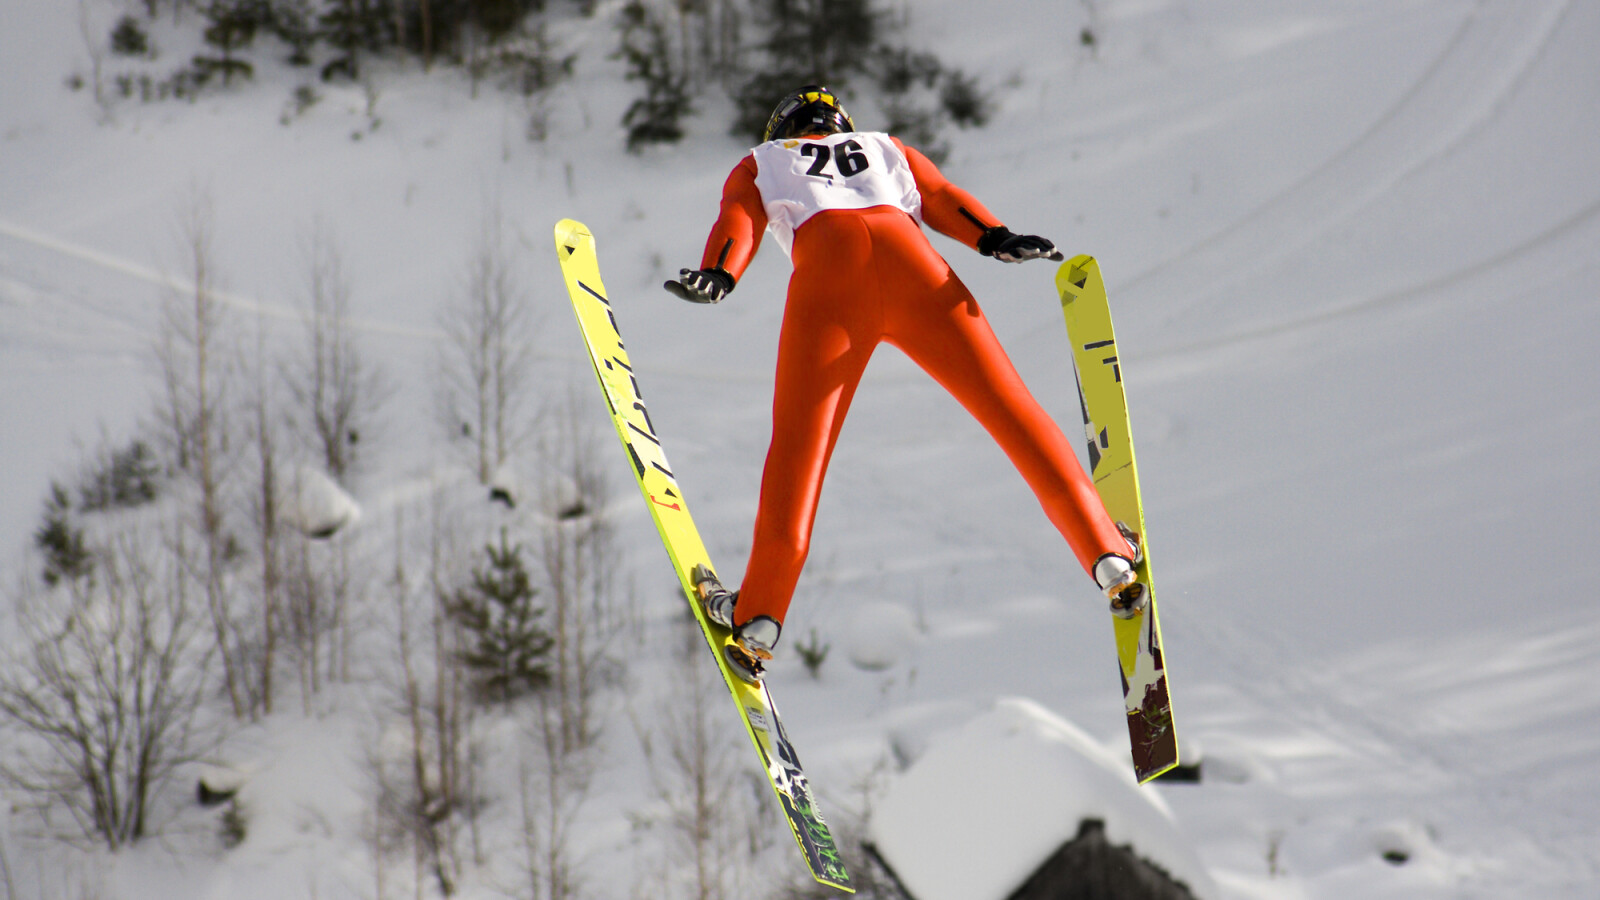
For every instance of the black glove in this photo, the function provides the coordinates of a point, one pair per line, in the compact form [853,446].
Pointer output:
[1001,244]
[701,285]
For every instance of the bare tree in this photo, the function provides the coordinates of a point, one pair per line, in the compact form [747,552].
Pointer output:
[553,785]
[319,584]
[580,557]
[425,789]
[712,806]
[102,687]
[337,393]
[703,794]
[96,48]
[268,520]
[5,874]
[488,356]
[194,414]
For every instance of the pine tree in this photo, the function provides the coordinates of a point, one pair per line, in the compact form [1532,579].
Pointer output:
[817,41]
[128,38]
[506,645]
[353,28]
[66,551]
[656,117]
[500,19]
[233,27]
[123,479]
[295,23]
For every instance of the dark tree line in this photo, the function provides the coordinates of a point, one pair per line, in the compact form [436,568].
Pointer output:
[338,35]
[852,46]
[677,52]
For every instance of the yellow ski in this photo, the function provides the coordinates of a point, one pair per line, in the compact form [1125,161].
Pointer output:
[1111,464]
[575,247]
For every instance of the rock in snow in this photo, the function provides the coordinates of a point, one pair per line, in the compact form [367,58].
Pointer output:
[986,806]
[319,507]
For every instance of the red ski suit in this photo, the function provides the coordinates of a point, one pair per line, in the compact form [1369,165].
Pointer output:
[862,276]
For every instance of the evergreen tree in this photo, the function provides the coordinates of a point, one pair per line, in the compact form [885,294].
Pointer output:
[128,38]
[123,479]
[233,27]
[904,76]
[656,117]
[354,28]
[840,42]
[506,645]
[66,552]
[967,106]
[295,23]
[500,19]
[807,41]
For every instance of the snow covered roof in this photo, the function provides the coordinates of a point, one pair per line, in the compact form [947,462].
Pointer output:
[988,804]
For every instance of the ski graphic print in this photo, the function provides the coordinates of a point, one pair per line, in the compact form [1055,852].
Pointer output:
[575,246]
[1111,464]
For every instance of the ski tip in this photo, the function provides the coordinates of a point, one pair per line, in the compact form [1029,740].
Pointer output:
[1074,275]
[570,233]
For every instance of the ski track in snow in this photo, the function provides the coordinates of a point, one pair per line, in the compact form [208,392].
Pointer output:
[270,310]
[1440,734]
[50,323]
[1563,242]
[1455,98]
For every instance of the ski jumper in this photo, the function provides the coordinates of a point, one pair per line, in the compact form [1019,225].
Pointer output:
[847,208]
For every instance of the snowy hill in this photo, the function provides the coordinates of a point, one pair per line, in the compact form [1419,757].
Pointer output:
[1350,248]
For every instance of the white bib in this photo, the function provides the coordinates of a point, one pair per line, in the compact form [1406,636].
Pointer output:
[853,170]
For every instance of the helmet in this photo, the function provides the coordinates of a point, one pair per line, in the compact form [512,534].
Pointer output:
[812,109]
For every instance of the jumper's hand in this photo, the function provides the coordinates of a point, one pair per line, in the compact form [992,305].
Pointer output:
[1001,244]
[701,285]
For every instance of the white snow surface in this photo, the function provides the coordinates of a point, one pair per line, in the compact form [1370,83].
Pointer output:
[1006,790]
[1351,251]
[881,635]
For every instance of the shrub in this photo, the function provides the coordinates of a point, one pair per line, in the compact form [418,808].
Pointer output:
[967,106]
[129,38]
[123,479]
[813,654]
[66,552]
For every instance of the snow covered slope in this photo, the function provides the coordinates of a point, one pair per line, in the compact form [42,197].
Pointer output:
[1351,249]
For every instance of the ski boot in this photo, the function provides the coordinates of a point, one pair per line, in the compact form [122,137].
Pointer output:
[752,641]
[715,599]
[1115,575]
[751,649]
